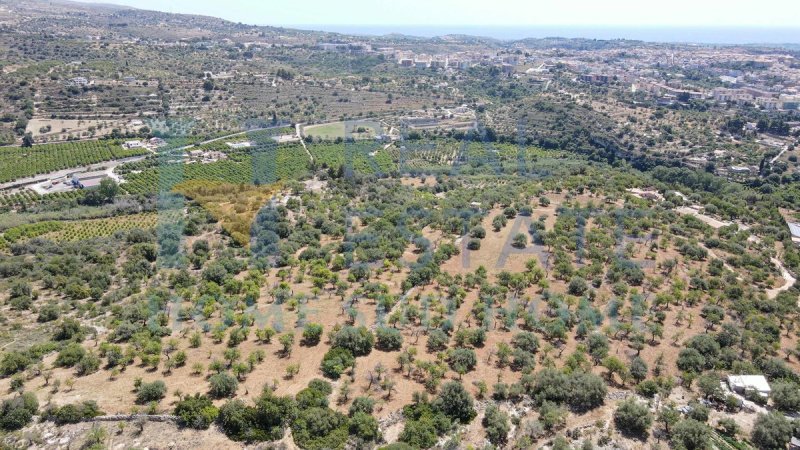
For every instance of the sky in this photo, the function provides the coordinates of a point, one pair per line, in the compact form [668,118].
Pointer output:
[515,13]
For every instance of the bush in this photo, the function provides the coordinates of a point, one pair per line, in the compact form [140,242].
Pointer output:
[419,434]
[336,361]
[437,341]
[151,392]
[266,421]
[196,412]
[90,363]
[222,385]
[462,360]
[771,431]
[312,333]
[633,418]
[397,446]
[526,341]
[690,360]
[455,402]
[364,427]
[358,340]
[70,355]
[477,232]
[320,428]
[312,398]
[691,434]
[424,422]
[73,413]
[577,286]
[69,329]
[361,404]
[786,396]
[237,420]
[496,424]
[474,244]
[647,388]
[17,412]
[586,391]
[14,362]
[388,339]
[48,313]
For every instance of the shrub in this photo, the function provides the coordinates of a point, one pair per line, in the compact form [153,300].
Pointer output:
[388,339]
[496,424]
[477,232]
[526,341]
[196,412]
[358,340]
[632,417]
[690,434]
[73,413]
[336,361]
[437,341]
[455,402]
[313,397]
[48,313]
[690,360]
[786,396]
[312,333]
[222,385]
[577,286]
[361,404]
[647,388]
[69,329]
[320,428]
[364,427]
[14,362]
[266,421]
[462,360]
[150,392]
[424,423]
[17,412]
[771,431]
[237,420]
[586,391]
[70,355]
[90,363]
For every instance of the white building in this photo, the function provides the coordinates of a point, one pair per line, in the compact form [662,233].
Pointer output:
[133,144]
[743,383]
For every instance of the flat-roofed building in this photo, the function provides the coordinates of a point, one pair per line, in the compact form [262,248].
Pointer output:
[87,180]
[794,229]
[744,383]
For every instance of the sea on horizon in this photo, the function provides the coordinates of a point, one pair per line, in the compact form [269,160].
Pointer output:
[682,34]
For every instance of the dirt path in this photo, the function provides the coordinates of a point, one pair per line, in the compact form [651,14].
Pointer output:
[302,141]
[716,223]
[772,293]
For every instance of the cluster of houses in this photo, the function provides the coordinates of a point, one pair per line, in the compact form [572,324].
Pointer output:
[205,156]
[764,99]
[151,144]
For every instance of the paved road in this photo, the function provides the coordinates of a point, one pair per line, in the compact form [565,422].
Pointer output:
[27,181]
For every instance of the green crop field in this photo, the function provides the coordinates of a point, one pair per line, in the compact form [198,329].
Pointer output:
[19,162]
[252,165]
[331,131]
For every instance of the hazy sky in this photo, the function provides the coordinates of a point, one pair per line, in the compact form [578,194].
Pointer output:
[764,13]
